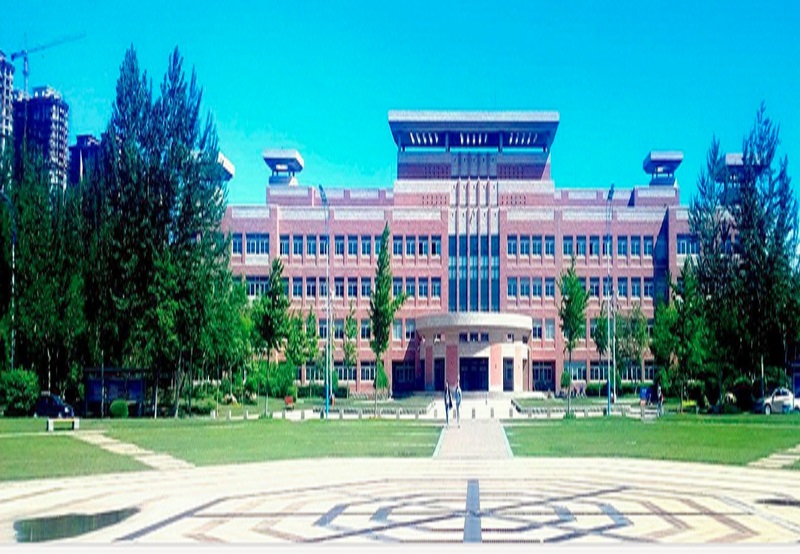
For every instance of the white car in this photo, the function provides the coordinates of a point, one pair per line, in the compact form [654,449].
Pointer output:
[780,401]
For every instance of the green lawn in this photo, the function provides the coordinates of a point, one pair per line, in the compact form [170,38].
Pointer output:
[211,443]
[575,402]
[735,440]
[44,456]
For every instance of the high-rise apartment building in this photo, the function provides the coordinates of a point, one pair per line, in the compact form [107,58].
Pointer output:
[83,156]
[479,238]
[40,122]
[6,99]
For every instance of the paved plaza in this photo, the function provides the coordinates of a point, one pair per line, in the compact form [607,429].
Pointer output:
[472,490]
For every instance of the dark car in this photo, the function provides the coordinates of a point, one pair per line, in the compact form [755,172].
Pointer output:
[51,405]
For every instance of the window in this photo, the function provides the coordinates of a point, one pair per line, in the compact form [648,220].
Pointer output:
[436,287]
[606,245]
[323,328]
[338,246]
[549,246]
[367,371]
[236,243]
[592,326]
[536,246]
[411,328]
[297,287]
[285,283]
[323,246]
[323,287]
[484,337]
[473,337]
[512,245]
[636,287]
[524,287]
[311,245]
[524,246]
[606,287]
[648,247]
[258,244]
[436,245]
[622,247]
[649,371]
[410,245]
[377,244]
[622,287]
[594,287]
[257,285]
[463,337]
[423,287]
[512,287]
[581,246]
[598,371]
[338,329]
[594,245]
[687,244]
[537,328]
[311,287]
[397,286]
[635,246]
[567,246]
[582,281]
[284,245]
[550,287]
[397,329]
[423,246]
[352,287]
[648,288]
[577,370]
[411,287]
[352,245]
[338,287]
[366,287]
[297,246]
[365,330]
[510,337]
[397,246]
[550,329]
[366,245]
[537,287]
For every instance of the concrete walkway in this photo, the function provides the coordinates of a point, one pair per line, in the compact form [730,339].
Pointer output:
[157,461]
[779,460]
[475,439]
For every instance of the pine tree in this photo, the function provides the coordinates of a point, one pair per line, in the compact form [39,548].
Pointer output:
[382,308]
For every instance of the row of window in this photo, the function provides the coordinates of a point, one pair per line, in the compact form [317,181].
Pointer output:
[345,373]
[688,244]
[531,287]
[544,372]
[317,287]
[421,246]
[524,245]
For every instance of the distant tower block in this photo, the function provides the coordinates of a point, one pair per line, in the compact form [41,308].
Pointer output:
[284,164]
[661,166]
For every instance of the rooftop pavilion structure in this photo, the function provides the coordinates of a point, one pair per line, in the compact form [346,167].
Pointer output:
[490,130]
[284,163]
[661,166]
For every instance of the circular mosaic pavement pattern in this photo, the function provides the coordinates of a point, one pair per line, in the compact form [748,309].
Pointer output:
[390,501]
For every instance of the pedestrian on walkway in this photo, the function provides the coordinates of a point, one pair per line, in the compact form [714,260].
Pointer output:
[448,403]
[660,400]
[458,402]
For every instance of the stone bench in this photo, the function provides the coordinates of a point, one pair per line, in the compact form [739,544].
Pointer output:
[73,422]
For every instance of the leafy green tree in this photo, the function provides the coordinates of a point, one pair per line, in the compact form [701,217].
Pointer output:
[382,308]
[664,344]
[350,335]
[600,334]
[270,311]
[313,354]
[572,313]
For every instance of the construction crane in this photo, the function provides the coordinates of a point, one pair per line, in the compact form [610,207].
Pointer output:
[25,51]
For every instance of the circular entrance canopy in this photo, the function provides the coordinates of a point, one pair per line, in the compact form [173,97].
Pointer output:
[478,321]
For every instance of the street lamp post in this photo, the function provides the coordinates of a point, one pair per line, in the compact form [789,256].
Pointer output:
[608,294]
[329,326]
[11,210]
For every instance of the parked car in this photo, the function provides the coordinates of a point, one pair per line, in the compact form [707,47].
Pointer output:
[781,401]
[51,405]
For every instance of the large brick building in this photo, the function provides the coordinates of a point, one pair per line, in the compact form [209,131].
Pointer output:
[479,238]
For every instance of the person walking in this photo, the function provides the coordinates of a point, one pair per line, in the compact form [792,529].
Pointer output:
[458,402]
[448,402]
[660,400]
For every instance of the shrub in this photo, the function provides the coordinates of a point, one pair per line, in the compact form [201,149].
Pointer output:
[695,391]
[119,409]
[281,378]
[19,390]
[201,406]
[743,391]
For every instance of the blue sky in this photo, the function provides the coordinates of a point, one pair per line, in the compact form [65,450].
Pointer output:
[626,77]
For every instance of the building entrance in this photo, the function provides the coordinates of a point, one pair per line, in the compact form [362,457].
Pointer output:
[474,374]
